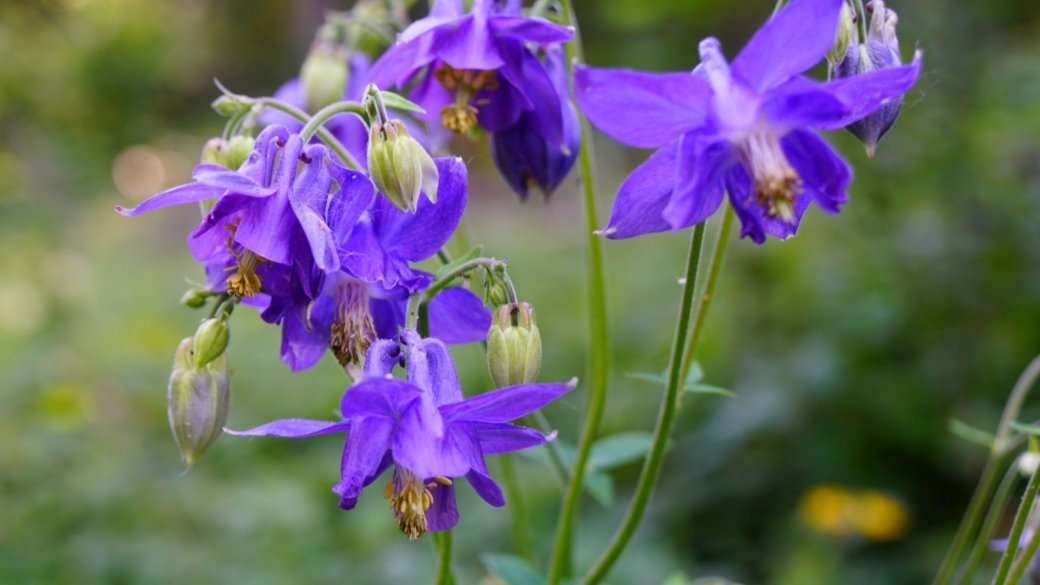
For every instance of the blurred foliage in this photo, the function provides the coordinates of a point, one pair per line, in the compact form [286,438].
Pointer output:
[849,347]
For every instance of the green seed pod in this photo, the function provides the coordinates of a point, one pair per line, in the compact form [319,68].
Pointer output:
[195,298]
[211,339]
[400,167]
[197,402]
[514,351]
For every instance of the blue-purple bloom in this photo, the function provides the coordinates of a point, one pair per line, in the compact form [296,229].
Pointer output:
[524,156]
[269,228]
[744,129]
[474,68]
[365,299]
[426,429]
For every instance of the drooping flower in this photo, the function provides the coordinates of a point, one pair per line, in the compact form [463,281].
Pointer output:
[366,298]
[474,68]
[269,228]
[426,430]
[524,156]
[744,129]
[880,50]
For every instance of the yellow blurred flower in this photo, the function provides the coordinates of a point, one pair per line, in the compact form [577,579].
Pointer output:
[834,510]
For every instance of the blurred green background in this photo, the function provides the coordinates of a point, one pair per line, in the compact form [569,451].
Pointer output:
[850,346]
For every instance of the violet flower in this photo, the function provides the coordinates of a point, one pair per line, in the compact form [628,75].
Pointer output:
[474,68]
[366,299]
[745,129]
[426,430]
[269,228]
[524,156]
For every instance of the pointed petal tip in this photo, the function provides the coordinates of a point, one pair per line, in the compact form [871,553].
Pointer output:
[572,383]
[871,149]
[606,232]
[550,437]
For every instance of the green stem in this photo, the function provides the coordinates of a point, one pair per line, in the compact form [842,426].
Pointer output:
[323,115]
[517,508]
[325,136]
[1016,529]
[665,419]
[1003,444]
[996,512]
[422,296]
[712,277]
[1025,558]
[558,459]
[445,575]
[598,334]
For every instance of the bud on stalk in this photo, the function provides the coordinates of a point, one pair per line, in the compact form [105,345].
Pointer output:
[211,339]
[197,402]
[400,167]
[514,350]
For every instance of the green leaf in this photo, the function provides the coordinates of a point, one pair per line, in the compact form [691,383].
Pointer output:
[617,450]
[708,389]
[676,579]
[392,100]
[600,486]
[695,375]
[1018,426]
[471,255]
[974,435]
[513,570]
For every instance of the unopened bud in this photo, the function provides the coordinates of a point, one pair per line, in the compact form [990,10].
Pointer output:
[514,346]
[215,152]
[324,74]
[497,294]
[195,298]
[227,104]
[239,149]
[211,339]
[846,32]
[879,50]
[197,402]
[400,167]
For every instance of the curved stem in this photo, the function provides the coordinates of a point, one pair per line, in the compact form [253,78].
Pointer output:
[445,575]
[665,419]
[708,294]
[323,134]
[996,512]
[323,115]
[1025,558]
[1003,444]
[1016,529]
[422,296]
[598,333]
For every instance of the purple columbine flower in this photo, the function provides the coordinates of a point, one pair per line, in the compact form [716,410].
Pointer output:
[365,300]
[426,430]
[524,156]
[745,129]
[269,228]
[474,68]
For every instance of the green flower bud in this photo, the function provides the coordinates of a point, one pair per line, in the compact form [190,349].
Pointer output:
[514,346]
[195,298]
[197,401]
[324,75]
[496,293]
[211,339]
[238,151]
[215,152]
[228,104]
[400,167]
[846,32]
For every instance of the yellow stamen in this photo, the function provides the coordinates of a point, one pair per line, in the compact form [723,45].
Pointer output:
[776,182]
[409,499]
[244,281]
[464,84]
[352,328]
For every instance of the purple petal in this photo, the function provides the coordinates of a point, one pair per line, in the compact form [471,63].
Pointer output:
[802,102]
[388,316]
[429,447]
[642,197]
[189,193]
[793,41]
[645,110]
[236,182]
[702,163]
[344,208]
[366,447]
[268,224]
[303,347]
[349,502]
[378,397]
[293,428]
[486,488]
[417,236]
[458,316]
[532,30]
[498,438]
[867,92]
[755,224]
[824,174]
[524,85]
[466,44]
[442,513]
[309,198]
[505,404]
[381,358]
[431,368]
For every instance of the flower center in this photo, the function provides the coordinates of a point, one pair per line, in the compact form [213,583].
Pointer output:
[776,183]
[409,499]
[352,328]
[461,116]
[243,280]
